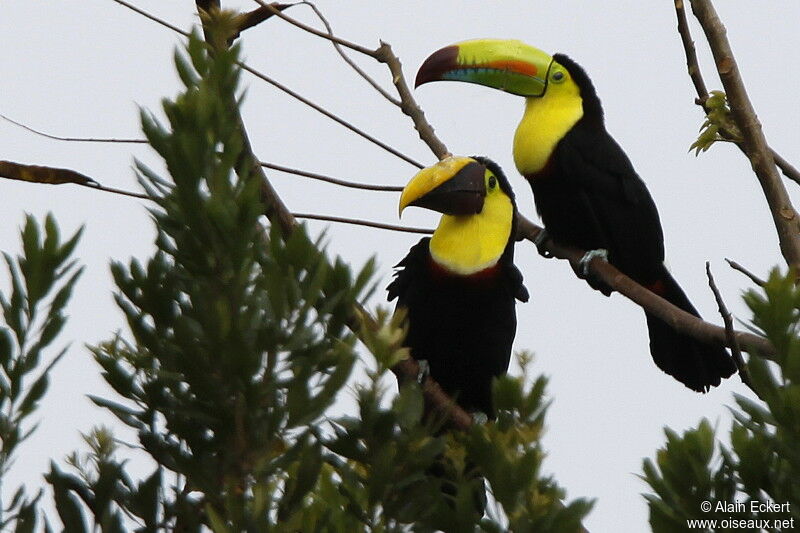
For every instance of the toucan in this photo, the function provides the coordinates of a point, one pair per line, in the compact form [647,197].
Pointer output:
[459,286]
[584,186]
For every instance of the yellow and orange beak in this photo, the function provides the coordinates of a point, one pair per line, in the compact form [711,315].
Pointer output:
[507,65]
[453,186]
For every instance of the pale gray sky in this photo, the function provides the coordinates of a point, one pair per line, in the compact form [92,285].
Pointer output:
[80,68]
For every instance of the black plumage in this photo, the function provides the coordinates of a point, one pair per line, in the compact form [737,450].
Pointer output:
[463,326]
[589,196]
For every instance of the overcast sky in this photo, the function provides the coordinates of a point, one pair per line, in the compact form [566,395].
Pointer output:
[81,68]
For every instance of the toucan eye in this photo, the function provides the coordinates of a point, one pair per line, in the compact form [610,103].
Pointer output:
[492,182]
[558,76]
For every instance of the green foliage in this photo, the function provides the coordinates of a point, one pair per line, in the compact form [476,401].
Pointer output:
[763,462]
[42,279]
[240,344]
[718,116]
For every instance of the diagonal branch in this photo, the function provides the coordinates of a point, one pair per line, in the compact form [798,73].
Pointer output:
[652,303]
[741,366]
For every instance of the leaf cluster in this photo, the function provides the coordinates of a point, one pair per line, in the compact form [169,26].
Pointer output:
[42,280]
[763,461]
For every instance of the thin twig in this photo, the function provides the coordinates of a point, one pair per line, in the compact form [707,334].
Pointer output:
[353,46]
[367,223]
[753,144]
[787,168]
[113,190]
[692,64]
[755,279]
[152,17]
[375,85]
[329,179]
[72,139]
[741,366]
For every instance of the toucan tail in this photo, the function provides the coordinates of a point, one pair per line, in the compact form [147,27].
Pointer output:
[696,364]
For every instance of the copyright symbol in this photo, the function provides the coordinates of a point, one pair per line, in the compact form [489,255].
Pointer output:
[705,506]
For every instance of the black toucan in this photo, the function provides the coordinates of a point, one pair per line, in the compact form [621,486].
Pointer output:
[459,286]
[584,186]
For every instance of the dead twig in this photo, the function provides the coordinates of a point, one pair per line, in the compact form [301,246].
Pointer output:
[755,279]
[55,176]
[741,366]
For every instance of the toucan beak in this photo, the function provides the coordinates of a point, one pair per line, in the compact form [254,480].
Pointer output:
[453,186]
[507,65]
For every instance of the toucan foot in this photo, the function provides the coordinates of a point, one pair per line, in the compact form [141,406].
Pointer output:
[424,370]
[539,242]
[582,271]
[479,417]
[587,258]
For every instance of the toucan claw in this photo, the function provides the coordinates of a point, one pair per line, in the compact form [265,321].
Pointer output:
[479,417]
[587,258]
[424,370]
[539,241]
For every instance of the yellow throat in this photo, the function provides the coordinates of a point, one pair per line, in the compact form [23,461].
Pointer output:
[468,244]
[545,122]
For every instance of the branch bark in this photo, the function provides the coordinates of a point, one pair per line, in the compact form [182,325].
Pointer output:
[649,301]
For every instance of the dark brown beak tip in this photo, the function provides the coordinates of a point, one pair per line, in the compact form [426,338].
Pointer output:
[437,64]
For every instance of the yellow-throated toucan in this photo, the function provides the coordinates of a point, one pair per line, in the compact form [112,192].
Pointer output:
[459,286]
[584,186]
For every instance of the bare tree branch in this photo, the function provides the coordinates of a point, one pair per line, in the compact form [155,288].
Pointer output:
[72,139]
[328,179]
[755,279]
[753,144]
[741,366]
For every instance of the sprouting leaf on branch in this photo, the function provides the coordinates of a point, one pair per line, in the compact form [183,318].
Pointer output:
[718,116]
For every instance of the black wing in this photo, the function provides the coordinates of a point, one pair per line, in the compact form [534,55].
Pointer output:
[616,198]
